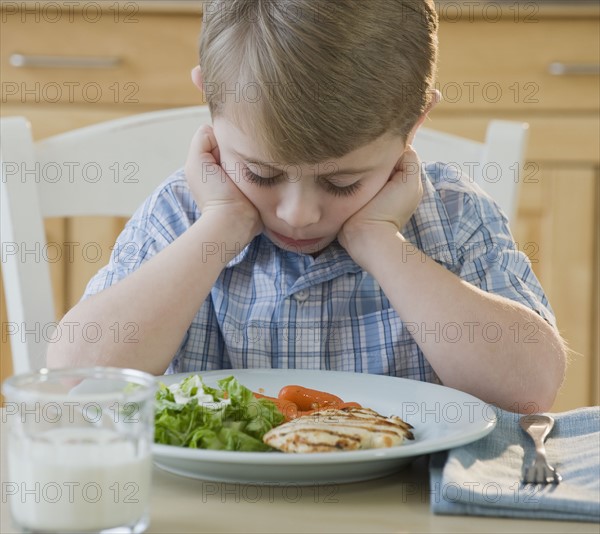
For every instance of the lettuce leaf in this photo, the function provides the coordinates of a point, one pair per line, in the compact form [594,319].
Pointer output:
[236,426]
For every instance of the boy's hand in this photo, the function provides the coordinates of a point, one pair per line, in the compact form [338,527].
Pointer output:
[212,188]
[389,210]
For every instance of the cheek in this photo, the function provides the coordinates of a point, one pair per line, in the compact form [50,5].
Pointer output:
[263,198]
[235,171]
[366,194]
[340,209]
[345,207]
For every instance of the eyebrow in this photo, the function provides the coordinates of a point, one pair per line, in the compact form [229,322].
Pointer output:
[348,172]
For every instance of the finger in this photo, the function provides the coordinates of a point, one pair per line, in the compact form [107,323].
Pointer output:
[205,150]
[201,161]
[408,158]
[408,166]
[212,146]
[202,144]
[217,154]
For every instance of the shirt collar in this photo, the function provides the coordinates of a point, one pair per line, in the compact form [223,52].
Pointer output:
[333,261]
[249,250]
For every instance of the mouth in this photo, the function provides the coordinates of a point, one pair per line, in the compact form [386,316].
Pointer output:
[295,242]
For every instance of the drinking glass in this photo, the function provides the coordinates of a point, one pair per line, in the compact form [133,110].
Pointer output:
[78,448]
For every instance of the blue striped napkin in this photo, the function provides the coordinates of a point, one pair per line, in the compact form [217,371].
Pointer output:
[483,477]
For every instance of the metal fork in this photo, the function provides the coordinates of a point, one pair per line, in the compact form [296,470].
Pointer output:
[539,472]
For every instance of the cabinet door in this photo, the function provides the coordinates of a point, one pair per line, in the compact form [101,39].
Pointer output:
[5,353]
[561,227]
[556,226]
[142,59]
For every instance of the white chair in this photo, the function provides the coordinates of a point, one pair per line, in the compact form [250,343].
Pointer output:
[494,165]
[103,169]
[109,169]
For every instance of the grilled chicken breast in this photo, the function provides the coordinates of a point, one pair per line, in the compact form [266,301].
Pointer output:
[339,429]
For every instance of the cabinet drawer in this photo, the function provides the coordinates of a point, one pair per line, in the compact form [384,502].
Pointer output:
[503,65]
[557,137]
[145,58]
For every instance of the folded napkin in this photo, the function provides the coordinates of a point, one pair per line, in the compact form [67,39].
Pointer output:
[483,477]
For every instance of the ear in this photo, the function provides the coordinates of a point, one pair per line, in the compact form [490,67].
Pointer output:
[435,98]
[197,77]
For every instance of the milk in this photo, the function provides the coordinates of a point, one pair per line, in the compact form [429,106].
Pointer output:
[74,479]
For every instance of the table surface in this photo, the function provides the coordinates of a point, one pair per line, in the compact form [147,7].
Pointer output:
[396,503]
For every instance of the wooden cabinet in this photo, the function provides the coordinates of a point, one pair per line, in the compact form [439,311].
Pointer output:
[139,59]
[508,67]
[495,62]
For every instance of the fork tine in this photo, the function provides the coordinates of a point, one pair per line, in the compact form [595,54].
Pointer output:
[540,475]
[540,472]
[529,475]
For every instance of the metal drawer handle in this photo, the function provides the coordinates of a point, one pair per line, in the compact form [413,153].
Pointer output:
[573,69]
[62,62]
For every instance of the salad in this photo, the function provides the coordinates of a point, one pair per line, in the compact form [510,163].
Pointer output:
[230,417]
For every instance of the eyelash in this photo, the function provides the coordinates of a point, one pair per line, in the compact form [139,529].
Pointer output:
[329,187]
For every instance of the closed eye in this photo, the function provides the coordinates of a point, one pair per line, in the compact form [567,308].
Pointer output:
[335,190]
[261,181]
[338,191]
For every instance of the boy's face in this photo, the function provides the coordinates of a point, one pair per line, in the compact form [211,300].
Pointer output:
[303,207]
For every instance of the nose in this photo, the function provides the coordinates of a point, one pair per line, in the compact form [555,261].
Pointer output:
[298,206]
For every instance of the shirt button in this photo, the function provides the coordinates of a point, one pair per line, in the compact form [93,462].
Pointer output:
[301,295]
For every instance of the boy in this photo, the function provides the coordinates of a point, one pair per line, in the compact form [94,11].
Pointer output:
[304,232]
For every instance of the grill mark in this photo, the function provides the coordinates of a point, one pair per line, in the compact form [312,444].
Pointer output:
[367,428]
[300,431]
[357,427]
[364,413]
[371,418]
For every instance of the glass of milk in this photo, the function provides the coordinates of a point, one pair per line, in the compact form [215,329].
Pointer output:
[78,445]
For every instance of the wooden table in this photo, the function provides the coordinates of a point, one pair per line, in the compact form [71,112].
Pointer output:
[397,503]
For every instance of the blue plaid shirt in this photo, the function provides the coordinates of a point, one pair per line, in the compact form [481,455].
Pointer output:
[271,308]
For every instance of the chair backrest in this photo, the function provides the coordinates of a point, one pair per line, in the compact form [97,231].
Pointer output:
[103,169]
[110,168]
[494,165]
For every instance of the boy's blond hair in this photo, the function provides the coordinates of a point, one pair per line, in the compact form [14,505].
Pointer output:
[316,79]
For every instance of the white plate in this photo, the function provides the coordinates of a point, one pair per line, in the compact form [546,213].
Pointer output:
[442,418]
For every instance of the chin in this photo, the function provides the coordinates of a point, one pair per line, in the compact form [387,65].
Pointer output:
[311,248]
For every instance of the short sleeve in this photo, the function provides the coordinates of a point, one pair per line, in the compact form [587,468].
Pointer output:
[163,217]
[490,260]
